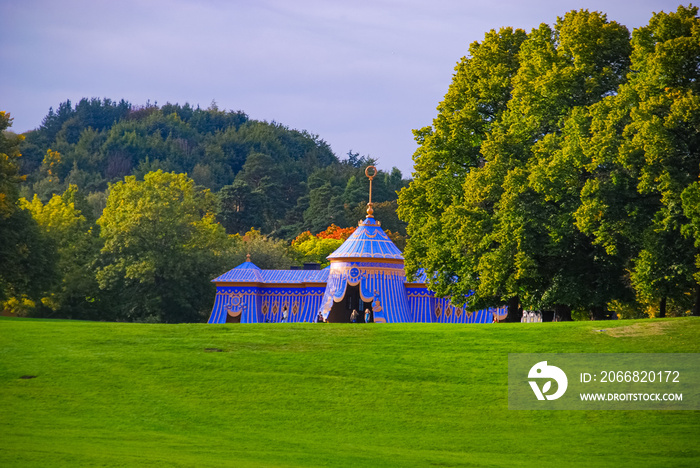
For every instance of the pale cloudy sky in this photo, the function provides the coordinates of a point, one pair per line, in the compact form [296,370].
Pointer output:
[360,74]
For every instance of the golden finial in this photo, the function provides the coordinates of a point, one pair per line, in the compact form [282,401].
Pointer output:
[370,210]
[247,257]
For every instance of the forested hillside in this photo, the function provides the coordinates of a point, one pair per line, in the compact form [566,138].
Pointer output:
[110,211]
[264,175]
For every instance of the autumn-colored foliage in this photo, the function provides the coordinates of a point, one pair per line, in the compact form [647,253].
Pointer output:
[310,248]
[335,232]
[303,237]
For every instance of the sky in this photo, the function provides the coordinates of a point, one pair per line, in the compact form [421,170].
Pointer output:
[360,74]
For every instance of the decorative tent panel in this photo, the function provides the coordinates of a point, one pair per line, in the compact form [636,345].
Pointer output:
[235,302]
[302,304]
[255,304]
[421,304]
[425,307]
[455,314]
[500,313]
[382,284]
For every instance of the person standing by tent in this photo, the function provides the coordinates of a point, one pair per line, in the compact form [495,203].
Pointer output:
[355,316]
[368,315]
[285,314]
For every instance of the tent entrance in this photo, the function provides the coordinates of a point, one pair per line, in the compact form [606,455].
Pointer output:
[236,319]
[340,311]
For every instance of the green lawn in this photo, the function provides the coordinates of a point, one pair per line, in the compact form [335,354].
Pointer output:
[108,394]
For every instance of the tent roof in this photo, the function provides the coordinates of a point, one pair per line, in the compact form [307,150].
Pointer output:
[421,277]
[368,241]
[248,272]
[248,265]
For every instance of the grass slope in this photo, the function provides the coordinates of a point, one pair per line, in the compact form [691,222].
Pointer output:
[108,394]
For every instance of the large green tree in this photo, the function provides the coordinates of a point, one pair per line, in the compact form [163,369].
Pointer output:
[27,258]
[161,248]
[522,218]
[75,294]
[239,206]
[448,151]
[488,230]
[645,160]
[264,251]
[539,255]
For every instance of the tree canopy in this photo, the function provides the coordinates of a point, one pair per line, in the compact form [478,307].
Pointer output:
[555,174]
[161,248]
[27,259]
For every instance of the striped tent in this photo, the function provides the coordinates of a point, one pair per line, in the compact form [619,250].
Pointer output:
[247,294]
[369,261]
[366,274]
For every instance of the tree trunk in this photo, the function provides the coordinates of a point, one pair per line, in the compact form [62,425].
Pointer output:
[662,307]
[599,313]
[696,309]
[562,313]
[515,314]
[548,316]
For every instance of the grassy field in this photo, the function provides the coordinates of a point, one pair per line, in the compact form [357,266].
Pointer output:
[107,394]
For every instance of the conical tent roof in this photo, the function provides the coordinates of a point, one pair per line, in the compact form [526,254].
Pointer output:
[368,241]
[246,271]
[248,265]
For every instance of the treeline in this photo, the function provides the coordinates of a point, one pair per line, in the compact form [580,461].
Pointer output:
[113,212]
[561,173]
[265,175]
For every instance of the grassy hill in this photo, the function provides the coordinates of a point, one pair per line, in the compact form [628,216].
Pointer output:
[108,394]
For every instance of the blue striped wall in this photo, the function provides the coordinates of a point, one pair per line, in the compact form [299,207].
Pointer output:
[392,302]
[425,307]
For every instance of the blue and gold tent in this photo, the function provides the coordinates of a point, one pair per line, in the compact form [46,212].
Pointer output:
[248,294]
[365,273]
